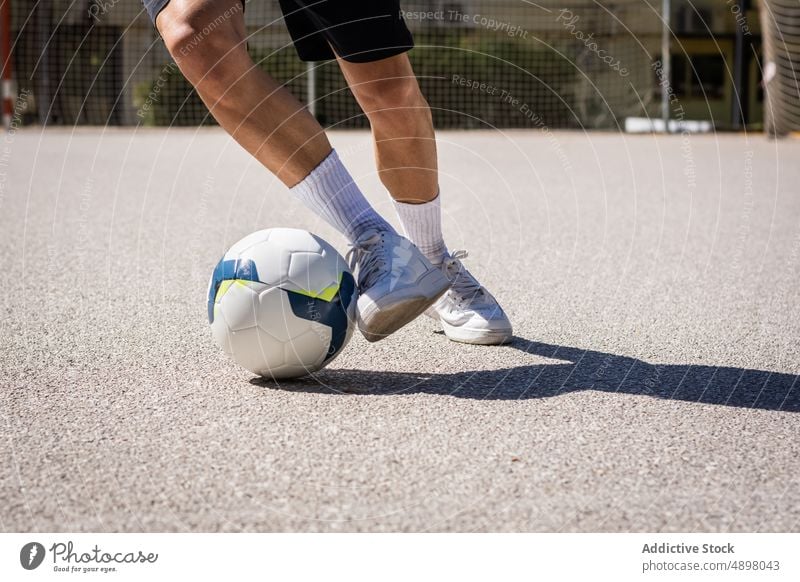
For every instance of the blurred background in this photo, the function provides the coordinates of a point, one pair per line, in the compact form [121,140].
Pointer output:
[730,64]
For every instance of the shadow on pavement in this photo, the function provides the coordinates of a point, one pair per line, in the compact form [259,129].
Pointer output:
[575,369]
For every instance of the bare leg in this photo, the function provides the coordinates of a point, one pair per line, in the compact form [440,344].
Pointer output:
[207,40]
[405,145]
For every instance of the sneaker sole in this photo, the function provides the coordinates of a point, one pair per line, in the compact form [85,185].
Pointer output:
[480,337]
[384,321]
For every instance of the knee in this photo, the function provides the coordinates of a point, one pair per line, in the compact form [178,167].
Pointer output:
[201,41]
[399,95]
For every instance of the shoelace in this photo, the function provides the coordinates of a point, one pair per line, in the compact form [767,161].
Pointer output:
[465,286]
[368,253]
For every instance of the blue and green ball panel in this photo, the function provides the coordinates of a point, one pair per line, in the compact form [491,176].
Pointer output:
[229,270]
[329,308]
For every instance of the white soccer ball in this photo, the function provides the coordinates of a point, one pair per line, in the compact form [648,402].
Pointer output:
[282,302]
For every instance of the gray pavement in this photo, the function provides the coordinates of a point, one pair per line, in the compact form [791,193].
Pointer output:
[652,385]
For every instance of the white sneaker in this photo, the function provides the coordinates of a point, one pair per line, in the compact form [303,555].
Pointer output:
[468,312]
[396,282]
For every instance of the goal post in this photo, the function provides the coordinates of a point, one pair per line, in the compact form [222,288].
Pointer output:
[780,26]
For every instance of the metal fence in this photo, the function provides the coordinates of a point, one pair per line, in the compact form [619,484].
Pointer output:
[481,63]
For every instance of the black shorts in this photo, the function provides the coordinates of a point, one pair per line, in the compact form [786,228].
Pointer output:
[359,31]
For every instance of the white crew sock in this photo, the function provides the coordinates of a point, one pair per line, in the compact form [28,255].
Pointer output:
[422,224]
[330,192]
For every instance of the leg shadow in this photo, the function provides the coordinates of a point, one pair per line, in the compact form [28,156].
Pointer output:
[576,369]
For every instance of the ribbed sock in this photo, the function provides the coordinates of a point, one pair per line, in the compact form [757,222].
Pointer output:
[329,191]
[422,224]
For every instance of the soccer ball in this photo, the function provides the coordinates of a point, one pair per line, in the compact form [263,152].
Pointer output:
[282,302]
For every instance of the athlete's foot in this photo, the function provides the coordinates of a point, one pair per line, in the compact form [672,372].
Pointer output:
[396,282]
[468,312]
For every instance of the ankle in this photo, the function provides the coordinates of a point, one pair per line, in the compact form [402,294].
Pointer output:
[436,257]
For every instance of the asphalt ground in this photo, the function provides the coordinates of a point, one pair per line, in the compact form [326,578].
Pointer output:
[652,384]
